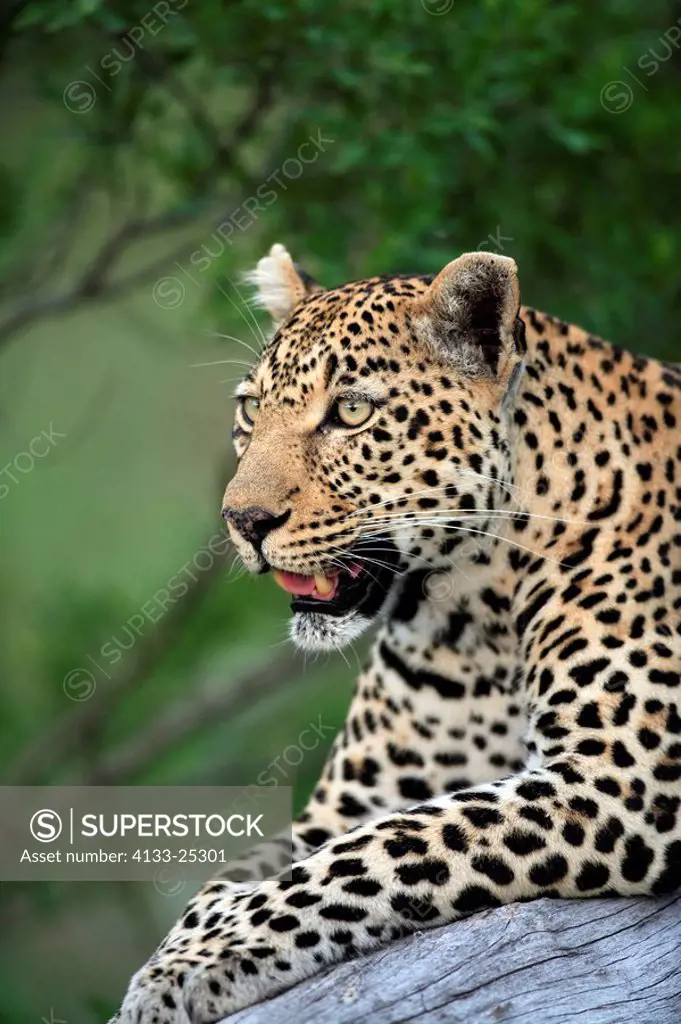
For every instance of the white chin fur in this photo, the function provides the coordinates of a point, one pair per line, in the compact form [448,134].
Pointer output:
[314,631]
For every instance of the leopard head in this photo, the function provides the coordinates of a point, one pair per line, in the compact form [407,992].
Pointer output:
[372,433]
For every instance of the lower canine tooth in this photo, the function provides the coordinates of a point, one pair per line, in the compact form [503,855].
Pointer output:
[323,585]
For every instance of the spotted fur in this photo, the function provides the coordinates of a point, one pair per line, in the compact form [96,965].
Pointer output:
[517,732]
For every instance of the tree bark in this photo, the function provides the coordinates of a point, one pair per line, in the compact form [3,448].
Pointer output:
[614,961]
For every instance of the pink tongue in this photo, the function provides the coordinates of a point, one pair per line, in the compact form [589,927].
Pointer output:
[296,584]
[306,586]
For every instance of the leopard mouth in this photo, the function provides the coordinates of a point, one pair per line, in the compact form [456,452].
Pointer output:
[360,584]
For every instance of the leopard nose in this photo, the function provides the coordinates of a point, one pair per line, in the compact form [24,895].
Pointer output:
[254,523]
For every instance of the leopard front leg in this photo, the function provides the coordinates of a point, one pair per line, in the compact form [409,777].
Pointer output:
[436,710]
[543,832]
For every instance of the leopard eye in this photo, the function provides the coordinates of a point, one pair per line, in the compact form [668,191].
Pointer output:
[249,409]
[354,412]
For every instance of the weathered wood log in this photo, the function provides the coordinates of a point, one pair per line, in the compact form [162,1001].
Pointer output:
[546,962]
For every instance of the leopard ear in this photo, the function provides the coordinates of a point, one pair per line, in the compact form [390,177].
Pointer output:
[281,284]
[470,313]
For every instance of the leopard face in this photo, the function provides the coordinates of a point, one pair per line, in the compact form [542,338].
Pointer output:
[372,433]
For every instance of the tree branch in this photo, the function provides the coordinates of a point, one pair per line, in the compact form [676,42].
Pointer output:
[549,961]
[208,703]
[79,729]
[99,280]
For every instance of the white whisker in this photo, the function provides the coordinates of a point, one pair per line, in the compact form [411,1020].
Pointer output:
[362,558]
[408,497]
[337,647]
[481,533]
[240,312]
[437,514]
[342,565]
[435,566]
[490,479]
[222,362]
[239,341]
[249,309]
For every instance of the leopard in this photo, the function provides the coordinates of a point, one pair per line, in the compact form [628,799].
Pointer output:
[497,495]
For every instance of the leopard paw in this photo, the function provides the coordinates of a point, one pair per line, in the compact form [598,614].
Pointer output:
[172,990]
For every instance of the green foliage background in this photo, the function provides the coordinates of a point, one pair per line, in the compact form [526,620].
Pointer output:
[546,131]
